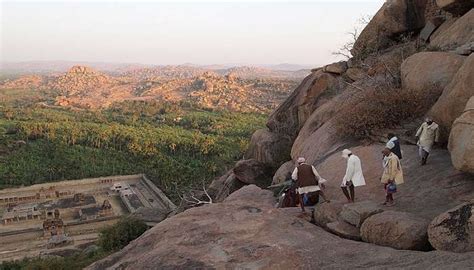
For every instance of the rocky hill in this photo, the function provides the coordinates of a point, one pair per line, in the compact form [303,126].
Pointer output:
[246,232]
[256,90]
[414,59]
[256,72]
[24,82]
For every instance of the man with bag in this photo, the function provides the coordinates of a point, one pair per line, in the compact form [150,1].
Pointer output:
[392,175]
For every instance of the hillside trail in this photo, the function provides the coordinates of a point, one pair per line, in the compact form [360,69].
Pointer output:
[428,190]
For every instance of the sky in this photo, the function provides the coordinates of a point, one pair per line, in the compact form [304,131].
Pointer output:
[159,32]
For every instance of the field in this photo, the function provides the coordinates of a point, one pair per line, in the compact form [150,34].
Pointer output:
[179,146]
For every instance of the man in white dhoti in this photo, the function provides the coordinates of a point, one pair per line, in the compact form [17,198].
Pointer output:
[427,135]
[354,177]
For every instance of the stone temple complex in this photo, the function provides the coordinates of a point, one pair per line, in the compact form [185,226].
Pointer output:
[67,213]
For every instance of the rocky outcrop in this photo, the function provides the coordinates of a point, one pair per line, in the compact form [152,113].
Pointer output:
[223,186]
[293,113]
[284,120]
[344,230]
[456,33]
[338,68]
[355,74]
[430,71]
[318,137]
[397,230]
[454,230]
[457,7]
[396,17]
[246,232]
[453,100]
[283,173]
[357,213]
[461,140]
[326,213]
[270,148]
[465,49]
[79,80]
[251,171]
[24,82]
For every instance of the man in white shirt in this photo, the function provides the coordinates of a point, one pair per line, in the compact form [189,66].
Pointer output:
[353,177]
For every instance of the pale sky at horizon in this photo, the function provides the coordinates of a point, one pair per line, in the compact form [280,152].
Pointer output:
[150,32]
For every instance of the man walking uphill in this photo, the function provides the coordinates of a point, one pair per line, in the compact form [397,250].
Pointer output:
[392,175]
[354,177]
[427,135]
[307,180]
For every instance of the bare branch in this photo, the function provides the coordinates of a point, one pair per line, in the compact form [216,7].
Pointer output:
[345,50]
[193,200]
[356,87]
[205,192]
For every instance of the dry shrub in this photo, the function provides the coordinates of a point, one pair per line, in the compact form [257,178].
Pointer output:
[375,109]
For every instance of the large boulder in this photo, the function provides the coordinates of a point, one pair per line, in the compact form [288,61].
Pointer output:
[357,213]
[355,74]
[223,186]
[344,230]
[454,230]
[337,68]
[397,230]
[457,7]
[396,17]
[455,33]
[251,171]
[268,147]
[246,232]
[453,100]
[325,213]
[283,173]
[318,136]
[291,115]
[465,49]
[461,140]
[430,71]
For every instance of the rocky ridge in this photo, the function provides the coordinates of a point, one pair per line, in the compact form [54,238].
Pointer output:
[254,90]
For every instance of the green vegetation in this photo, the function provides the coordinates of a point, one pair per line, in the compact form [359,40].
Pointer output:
[119,235]
[178,146]
[75,262]
[111,239]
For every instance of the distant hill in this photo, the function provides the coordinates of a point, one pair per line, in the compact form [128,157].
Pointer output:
[246,89]
[46,67]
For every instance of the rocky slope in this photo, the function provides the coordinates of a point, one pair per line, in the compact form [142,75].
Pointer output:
[247,232]
[402,70]
[24,82]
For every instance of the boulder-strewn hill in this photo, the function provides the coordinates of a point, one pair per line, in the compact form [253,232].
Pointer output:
[413,59]
[255,90]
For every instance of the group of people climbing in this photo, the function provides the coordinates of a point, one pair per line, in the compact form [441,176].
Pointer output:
[310,185]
